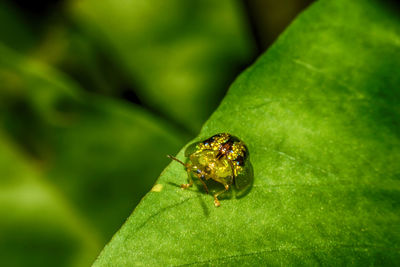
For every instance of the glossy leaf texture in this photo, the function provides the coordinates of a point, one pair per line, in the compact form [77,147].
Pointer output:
[320,113]
[67,159]
[181,52]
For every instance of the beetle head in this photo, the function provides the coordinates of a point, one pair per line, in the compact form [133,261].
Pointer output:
[205,164]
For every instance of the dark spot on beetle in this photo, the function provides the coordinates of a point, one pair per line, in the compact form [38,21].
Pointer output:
[240,160]
[226,147]
[245,152]
[234,139]
[209,140]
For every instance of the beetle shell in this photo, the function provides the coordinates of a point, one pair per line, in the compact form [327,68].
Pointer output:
[223,158]
[226,145]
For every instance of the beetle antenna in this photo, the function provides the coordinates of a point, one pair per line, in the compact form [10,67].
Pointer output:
[173,158]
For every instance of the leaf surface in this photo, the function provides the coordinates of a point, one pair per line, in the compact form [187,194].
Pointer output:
[320,113]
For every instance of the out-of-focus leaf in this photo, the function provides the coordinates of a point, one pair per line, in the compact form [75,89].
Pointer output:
[38,227]
[100,155]
[320,113]
[69,49]
[14,30]
[179,55]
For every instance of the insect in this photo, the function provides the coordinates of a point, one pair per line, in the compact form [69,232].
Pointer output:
[223,158]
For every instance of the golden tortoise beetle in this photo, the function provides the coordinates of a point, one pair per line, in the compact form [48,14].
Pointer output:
[223,158]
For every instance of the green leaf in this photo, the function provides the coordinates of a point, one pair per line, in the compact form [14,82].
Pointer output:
[320,114]
[14,30]
[67,158]
[173,51]
[38,225]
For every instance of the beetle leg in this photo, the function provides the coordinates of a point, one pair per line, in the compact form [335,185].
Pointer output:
[233,172]
[204,184]
[216,201]
[173,158]
[185,186]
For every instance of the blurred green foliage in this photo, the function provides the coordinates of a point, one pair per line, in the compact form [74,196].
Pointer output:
[91,103]
[98,154]
[14,30]
[175,51]
[38,226]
